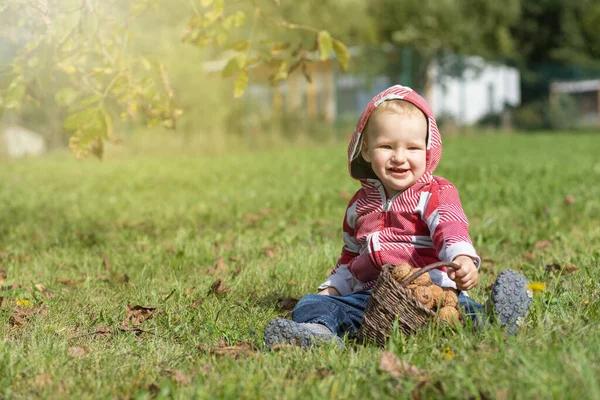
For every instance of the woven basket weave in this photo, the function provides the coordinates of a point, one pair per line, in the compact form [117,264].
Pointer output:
[391,300]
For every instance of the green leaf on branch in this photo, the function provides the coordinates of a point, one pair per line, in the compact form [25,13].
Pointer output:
[234,65]
[219,6]
[240,45]
[239,18]
[88,120]
[83,144]
[65,96]
[324,44]
[342,53]
[14,93]
[240,84]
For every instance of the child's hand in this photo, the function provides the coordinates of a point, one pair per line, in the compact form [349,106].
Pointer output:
[330,290]
[466,276]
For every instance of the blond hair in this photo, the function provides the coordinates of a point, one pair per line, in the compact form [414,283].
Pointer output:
[402,108]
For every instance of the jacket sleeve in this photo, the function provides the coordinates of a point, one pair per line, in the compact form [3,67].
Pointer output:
[341,278]
[448,225]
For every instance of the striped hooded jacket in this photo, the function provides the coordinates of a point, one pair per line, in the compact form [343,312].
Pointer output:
[421,225]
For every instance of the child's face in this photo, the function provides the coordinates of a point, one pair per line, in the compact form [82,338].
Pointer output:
[396,149]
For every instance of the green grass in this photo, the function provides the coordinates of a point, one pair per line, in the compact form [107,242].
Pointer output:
[163,222]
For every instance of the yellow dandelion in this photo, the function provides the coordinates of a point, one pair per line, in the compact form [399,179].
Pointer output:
[586,302]
[536,286]
[448,353]
[23,302]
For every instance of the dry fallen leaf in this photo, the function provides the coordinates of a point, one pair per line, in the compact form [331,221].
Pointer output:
[542,244]
[220,268]
[2,276]
[241,349]
[555,267]
[136,315]
[397,368]
[17,320]
[271,251]
[569,199]
[218,287]
[105,262]
[179,376]
[251,218]
[44,291]
[102,331]
[345,195]
[197,303]
[286,304]
[42,380]
[78,351]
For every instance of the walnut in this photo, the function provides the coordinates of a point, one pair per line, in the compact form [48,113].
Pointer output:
[450,297]
[423,280]
[401,271]
[423,294]
[449,314]
[437,294]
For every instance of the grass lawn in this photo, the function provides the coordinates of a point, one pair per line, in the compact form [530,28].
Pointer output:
[82,241]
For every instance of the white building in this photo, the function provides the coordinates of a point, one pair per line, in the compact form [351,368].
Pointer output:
[487,89]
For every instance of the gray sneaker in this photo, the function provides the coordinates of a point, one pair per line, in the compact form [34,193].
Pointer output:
[286,332]
[510,300]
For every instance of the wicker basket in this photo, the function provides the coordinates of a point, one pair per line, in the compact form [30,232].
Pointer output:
[391,300]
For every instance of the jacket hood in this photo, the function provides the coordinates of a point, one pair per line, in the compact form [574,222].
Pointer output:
[361,170]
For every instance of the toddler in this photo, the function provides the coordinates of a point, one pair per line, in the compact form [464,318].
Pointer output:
[401,214]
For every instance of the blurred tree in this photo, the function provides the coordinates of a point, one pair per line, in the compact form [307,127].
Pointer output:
[441,30]
[80,58]
[556,39]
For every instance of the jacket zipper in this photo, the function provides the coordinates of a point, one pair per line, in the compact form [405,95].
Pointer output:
[387,203]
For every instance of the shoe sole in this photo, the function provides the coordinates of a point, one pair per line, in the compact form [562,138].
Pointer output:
[511,300]
[286,332]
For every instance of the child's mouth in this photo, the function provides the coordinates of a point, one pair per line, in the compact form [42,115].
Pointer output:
[398,171]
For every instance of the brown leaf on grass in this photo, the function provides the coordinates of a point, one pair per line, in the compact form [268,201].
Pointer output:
[197,303]
[40,310]
[2,276]
[569,200]
[286,304]
[4,302]
[17,320]
[542,244]
[321,373]
[44,291]
[271,251]
[42,380]
[189,291]
[105,262]
[78,351]
[397,368]
[555,267]
[251,218]
[69,282]
[102,331]
[345,195]
[218,288]
[220,268]
[241,349]
[206,369]
[136,315]
[179,376]
[10,287]
[529,256]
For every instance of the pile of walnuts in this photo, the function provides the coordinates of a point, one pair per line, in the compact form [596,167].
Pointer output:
[442,300]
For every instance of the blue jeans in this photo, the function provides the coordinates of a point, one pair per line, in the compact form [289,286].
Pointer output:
[344,314]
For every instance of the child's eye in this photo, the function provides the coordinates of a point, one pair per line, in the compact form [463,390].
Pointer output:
[385,146]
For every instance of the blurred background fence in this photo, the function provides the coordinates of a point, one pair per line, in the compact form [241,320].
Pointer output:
[522,65]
